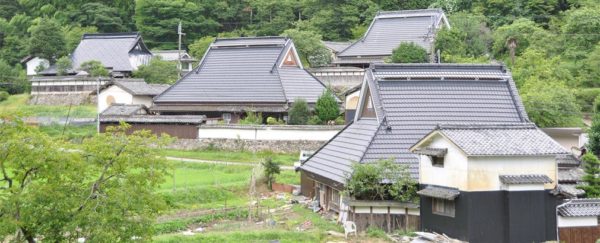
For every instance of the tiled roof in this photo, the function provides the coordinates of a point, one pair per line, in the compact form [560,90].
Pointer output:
[141,87]
[112,50]
[580,208]
[389,29]
[412,108]
[569,190]
[124,110]
[169,119]
[336,46]
[244,70]
[525,179]
[501,140]
[334,160]
[567,160]
[440,192]
[438,152]
[570,175]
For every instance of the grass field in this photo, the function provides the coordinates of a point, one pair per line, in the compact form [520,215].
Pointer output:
[233,156]
[17,104]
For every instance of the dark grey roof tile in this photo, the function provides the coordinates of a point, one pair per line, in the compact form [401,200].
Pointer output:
[524,179]
[580,208]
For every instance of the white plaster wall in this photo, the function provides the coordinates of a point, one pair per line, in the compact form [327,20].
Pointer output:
[567,141]
[454,172]
[352,100]
[484,171]
[524,187]
[34,63]
[267,134]
[142,100]
[384,210]
[120,95]
[577,221]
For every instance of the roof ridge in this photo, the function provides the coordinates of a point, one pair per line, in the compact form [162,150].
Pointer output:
[411,11]
[488,126]
[110,35]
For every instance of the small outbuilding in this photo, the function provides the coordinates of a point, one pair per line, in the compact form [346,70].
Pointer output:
[578,221]
[129,92]
[179,126]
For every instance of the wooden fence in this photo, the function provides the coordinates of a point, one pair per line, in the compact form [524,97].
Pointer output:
[579,234]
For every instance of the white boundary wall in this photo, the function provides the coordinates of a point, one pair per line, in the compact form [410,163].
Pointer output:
[306,133]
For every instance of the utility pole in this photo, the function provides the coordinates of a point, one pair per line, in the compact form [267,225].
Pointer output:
[97,105]
[179,33]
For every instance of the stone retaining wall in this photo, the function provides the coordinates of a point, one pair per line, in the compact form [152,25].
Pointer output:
[246,145]
[62,99]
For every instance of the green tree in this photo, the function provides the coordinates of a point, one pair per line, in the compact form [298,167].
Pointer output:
[99,15]
[593,145]
[13,79]
[271,169]
[408,52]
[104,191]
[589,72]
[383,180]
[94,68]
[327,108]
[157,20]
[525,32]
[158,72]
[469,37]
[310,47]
[581,31]
[63,65]
[73,35]
[199,47]
[46,40]
[551,104]
[591,166]
[299,113]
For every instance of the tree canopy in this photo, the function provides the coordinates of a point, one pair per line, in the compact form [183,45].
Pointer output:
[158,71]
[408,52]
[104,190]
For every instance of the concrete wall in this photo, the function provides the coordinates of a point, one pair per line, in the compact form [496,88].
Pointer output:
[278,133]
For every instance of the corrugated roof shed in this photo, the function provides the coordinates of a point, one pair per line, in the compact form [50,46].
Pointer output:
[389,29]
[244,71]
[113,50]
[408,109]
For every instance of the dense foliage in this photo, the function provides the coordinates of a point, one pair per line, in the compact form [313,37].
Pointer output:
[103,191]
[591,166]
[409,52]
[327,108]
[270,170]
[94,69]
[371,181]
[158,72]
[299,112]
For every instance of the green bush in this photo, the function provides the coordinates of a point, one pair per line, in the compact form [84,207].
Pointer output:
[299,113]
[586,98]
[409,53]
[274,121]
[327,108]
[252,118]
[340,120]
[315,120]
[3,96]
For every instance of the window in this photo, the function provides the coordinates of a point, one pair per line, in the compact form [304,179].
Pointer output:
[437,161]
[227,117]
[442,207]
[335,199]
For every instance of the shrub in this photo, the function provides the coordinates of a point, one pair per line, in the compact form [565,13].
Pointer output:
[94,68]
[299,113]
[366,182]
[591,166]
[409,53]
[327,108]
[158,71]
[593,145]
[274,121]
[3,95]
[314,120]
[252,118]
[63,65]
[271,169]
[340,120]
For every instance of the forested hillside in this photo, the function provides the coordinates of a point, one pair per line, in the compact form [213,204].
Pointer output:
[551,46]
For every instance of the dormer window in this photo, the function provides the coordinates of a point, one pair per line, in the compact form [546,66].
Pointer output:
[437,161]
[436,155]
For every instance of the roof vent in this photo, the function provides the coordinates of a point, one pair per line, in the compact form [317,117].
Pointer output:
[388,128]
